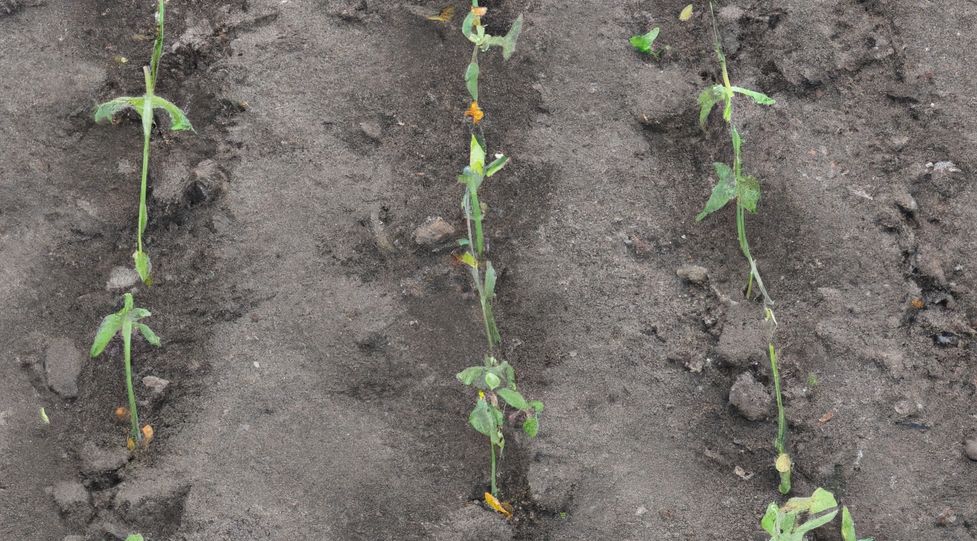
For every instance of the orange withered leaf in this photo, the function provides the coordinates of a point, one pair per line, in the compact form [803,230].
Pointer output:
[445,15]
[479,11]
[475,112]
[495,504]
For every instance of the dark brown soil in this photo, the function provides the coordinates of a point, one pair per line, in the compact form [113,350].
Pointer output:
[311,365]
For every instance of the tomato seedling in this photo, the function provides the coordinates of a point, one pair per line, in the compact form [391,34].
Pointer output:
[123,322]
[495,380]
[799,516]
[145,106]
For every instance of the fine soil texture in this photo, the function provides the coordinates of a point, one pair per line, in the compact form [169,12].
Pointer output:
[310,342]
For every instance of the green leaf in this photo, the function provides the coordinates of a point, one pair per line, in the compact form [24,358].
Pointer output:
[822,500]
[816,522]
[476,157]
[178,119]
[470,374]
[748,192]
[482,419]
[492,381]
[645,43]
[466,27]
[537,405]
[511,37]
[496,165]
[847,525]
[722,192]
[510,374]
[148,334]
[471,179]
[135,536]
[758,97]
[471,80]
[138,313]
[769,520]
[707,100]
[489,280]
[106,112]
[531,427]
[143,266]
[110,325]
[514,399]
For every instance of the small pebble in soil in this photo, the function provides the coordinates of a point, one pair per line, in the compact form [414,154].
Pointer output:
[693,274]
[750,398]
[155,384]
[946,339]
[121,278]
[72,500]
[372,130]
[970,448]
[62,366]
[433,231]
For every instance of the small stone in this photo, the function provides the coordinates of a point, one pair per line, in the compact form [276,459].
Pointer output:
[371,129]
[693,274]
[62,366]
[906,203]
[155,384]
[121,278]
[433,231]
[750,398]
[970,448]
[72,500]
[640,511]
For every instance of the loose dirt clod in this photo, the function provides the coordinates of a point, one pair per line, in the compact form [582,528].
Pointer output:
[73,502]
[750,398]
[62,366]
[433,231]
[970,449]
[693,274]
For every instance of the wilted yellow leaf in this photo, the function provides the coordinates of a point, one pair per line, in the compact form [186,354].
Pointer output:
[495,504]
[445,15]
[686,13]
[468,259]
[44,417]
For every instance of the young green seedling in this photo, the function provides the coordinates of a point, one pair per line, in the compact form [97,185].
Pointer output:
[735,185]
[785,523]
[123,322]
[495,380]
[145,106]
[645,43]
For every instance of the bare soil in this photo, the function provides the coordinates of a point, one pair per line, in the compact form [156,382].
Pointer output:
[311,344]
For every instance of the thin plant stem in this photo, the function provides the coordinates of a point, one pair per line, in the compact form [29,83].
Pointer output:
[475,272]
[780,443]
[147,128]
[495,489]
[133,414]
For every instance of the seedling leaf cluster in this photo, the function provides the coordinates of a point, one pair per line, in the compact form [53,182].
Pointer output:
[494,379]
[799,516]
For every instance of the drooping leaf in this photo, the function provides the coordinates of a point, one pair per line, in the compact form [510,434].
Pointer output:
[481,418]
[471,80]
[816,522]
[492,380]
[496,165]
[748,192]
[531,427]
[511,37]
[723,192]
[489,280]
[758,97]
[514,399]
[106,112]
[470,374]
[707,100]
[822,500]
[686,13]
[178,119]
[148,334]
[110,325]
[645,43]
[466,27]
[476,157]
[769,521]
[138,313]
[143,266]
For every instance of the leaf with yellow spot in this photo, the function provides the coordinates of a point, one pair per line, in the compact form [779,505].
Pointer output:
[468,259]
[444,16]
[498,506]
[783,463]
[686,13]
